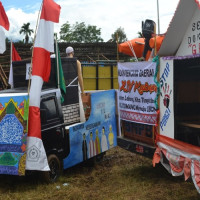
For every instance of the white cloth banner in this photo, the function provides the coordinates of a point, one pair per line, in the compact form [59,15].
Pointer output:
[10,79]
[2,41]
[137,92]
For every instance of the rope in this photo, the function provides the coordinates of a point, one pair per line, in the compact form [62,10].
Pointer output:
[70,84]
[131,48]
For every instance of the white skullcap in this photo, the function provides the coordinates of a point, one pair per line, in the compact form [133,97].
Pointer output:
[69,50]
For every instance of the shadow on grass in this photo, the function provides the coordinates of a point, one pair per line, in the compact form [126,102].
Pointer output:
[150,173]
[11,183]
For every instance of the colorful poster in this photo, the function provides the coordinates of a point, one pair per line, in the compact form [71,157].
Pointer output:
[167,98]
[96,135]
[137,92]
[13,133]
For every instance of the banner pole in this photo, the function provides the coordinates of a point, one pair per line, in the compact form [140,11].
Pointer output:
[57,63]
[117,38]
[10,78]
[10,52]
[30,72]
[155,52]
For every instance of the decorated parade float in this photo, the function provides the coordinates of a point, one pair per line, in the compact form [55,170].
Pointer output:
[43,124]
[159,99]
[47,126]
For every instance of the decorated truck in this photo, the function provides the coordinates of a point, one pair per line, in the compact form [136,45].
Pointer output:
[66,139]
[159,99]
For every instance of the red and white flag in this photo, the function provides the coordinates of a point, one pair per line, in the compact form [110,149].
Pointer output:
[14,57]
[4,23]
[44,44]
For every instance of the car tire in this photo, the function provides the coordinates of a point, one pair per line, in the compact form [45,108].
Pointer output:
[55,169]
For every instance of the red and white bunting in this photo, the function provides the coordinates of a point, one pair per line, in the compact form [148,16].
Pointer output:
[182,158]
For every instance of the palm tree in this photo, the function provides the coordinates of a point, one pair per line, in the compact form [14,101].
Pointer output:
[26,31]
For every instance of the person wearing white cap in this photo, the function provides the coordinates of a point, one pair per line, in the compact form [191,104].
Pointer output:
[70,54]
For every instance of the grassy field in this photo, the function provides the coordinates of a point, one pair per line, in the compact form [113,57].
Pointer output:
[120,175]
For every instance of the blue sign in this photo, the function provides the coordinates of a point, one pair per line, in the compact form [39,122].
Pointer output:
[96,135]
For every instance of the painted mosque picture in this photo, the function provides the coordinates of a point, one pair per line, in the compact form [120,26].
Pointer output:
[13,133]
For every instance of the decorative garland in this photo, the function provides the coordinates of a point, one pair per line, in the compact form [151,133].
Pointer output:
[181,57]
[156,59]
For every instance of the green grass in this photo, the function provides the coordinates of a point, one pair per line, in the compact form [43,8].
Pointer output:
[121,175]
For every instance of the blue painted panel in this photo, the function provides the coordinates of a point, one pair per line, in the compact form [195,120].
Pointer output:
[96,135]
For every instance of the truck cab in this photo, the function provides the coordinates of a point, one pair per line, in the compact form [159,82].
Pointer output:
[52,124]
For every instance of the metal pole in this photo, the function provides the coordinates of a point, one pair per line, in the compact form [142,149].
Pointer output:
[117,40]
[158,17]
[10,52]
[57,63]
[97,76]
[11,68]
[111,76]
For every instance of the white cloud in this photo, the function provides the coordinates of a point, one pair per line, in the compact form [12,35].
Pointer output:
[105,14]
[17,18]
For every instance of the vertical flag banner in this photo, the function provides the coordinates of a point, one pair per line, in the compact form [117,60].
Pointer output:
[4,23]
[44,44]
[15,57]
[59,73]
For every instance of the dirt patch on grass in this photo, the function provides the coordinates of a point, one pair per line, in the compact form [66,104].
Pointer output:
[120,175]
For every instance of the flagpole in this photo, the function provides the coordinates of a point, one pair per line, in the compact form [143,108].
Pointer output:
[117,38]
[30,72]
[11,69]
[58,74]
[10,52]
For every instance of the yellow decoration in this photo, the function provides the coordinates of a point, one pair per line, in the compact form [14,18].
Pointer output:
[22,164]
[111,136]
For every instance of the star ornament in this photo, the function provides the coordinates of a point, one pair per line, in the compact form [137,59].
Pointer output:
[23,148]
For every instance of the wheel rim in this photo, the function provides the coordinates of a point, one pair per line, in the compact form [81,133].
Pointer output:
[54,169]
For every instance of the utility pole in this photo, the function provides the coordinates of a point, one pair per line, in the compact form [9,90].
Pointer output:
[158,17]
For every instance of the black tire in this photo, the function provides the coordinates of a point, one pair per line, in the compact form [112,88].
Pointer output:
[55,169]
[99,157]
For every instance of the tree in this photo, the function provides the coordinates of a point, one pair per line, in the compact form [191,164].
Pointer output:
[26,31]
[121,35]
[65,32]
[79,32]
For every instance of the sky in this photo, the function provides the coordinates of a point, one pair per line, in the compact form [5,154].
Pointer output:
[108,15]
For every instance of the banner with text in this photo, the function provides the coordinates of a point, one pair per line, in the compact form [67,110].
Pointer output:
[137,92]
